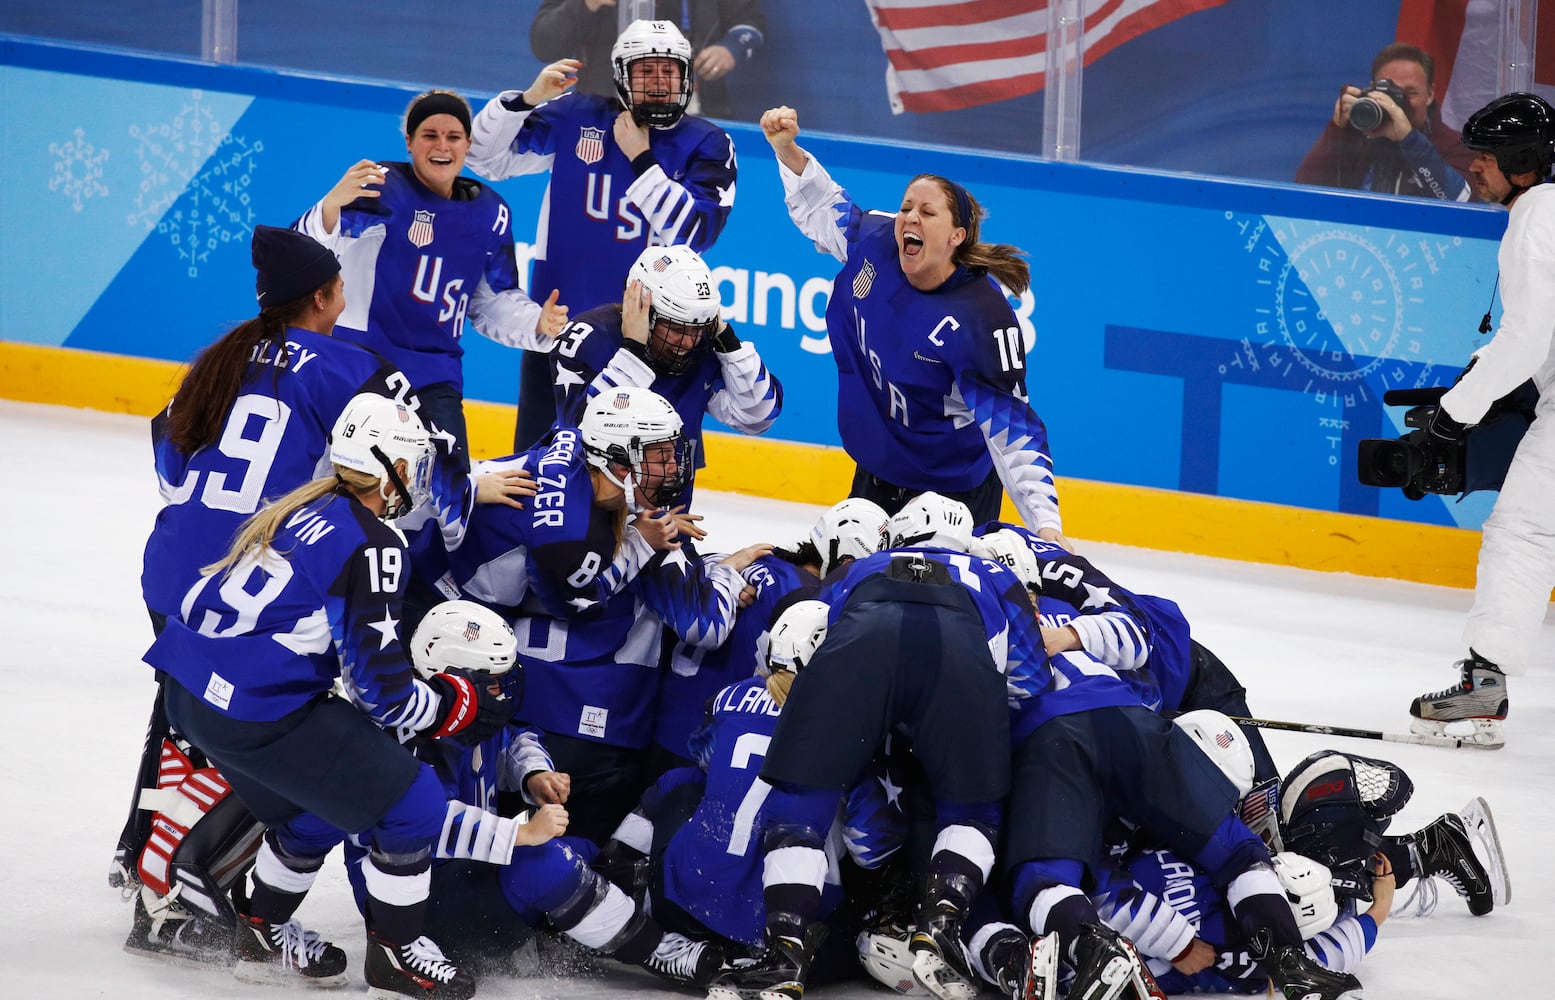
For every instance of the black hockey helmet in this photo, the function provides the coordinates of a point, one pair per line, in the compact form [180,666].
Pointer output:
[1518,129]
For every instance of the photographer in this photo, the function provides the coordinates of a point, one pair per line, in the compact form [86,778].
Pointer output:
[1406,149]
[1514,137]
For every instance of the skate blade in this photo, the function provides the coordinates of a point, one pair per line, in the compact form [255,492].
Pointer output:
[1042,975]
[934,974]
[1481,826]
[273,974]
[182,959]
[1484,734]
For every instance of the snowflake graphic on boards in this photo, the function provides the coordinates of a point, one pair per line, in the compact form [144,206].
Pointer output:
[78,170]
[195,180]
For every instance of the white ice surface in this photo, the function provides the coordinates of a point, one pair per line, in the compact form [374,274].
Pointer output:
[78,497]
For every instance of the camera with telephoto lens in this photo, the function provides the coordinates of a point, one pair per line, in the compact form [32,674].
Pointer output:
[1419,462]
[1366,114]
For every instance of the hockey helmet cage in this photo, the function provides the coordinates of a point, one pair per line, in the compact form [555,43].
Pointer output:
[1518,129]
[644,40]
[1222,742]
[796,635]
[683,305]
[1008,547]
[932,521]
[854,528]
[618,428]
[463,635]
[1309,890]
[373,433]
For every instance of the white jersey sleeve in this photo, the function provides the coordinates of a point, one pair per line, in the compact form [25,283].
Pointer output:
[749,400]
[491,144]
[813,201]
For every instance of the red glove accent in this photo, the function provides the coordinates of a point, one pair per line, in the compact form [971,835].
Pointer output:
[459,702]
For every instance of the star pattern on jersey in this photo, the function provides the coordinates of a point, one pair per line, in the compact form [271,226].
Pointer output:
[726,196]
[1096,597]
[892,791]
[566,378]
[582,603]
[387,628]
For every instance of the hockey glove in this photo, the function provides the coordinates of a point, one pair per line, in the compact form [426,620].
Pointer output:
[471,712]
[726,340]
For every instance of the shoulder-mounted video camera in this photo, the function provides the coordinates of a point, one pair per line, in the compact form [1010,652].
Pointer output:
[1421,463]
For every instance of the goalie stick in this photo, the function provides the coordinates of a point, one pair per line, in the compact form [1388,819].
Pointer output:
[1370,734]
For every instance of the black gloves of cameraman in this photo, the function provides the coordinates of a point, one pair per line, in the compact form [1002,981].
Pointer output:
[1444,428]
[471,711]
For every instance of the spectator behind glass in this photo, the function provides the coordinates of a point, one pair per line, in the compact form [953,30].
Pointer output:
[1410,152]
[723,35]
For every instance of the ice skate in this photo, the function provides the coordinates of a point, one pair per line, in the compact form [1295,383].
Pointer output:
[778,974]
[285,954]
[417,969]
[166,930]
[1444,851]
[685,962]
[1481,828]
[939,960]
[1106,967]
[1296,976]
[1024,970]
[1479,698]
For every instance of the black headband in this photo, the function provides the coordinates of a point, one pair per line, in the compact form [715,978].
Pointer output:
[437,103]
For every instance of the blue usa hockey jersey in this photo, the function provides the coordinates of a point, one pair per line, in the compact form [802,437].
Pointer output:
[733,387]
[557,555]
[696,673]
[323,602]
[931,386]
[594,676]
[598,207]
[274,439]
[416,265]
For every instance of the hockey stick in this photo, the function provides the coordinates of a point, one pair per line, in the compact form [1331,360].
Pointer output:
[1369,734]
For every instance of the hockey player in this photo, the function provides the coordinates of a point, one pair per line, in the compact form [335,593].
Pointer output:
[667,334]
[308,594]
[423,249]
[909,652]
[1145,638]
[250,421]
[1514,136]
[500,876]
[597,519]
[931,387]
[626,174]
[850,530]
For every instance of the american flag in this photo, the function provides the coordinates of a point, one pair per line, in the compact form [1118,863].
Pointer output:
[421,228]
[1262,801]
[862,280]
[662,263]
[945,54]
[472,631]
[1224,739]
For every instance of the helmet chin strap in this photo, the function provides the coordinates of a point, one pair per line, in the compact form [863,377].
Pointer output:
[391,510]
[628,487]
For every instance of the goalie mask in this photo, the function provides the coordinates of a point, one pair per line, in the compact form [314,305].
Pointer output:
[1008,547]
[852,529]
[1309,890]
[657,99]
[371,435]
[637,430]
[796,635]
[682,309]
[1334,808]
[932,521]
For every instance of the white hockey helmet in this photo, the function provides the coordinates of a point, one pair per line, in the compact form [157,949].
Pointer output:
[645,40]
[466,635]
[889,962]
[934,521]
[796,635]
[854,528]
[1309,889]
[683,305]
[1222,742]
[621,427]
[1008,547]
[373,433]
